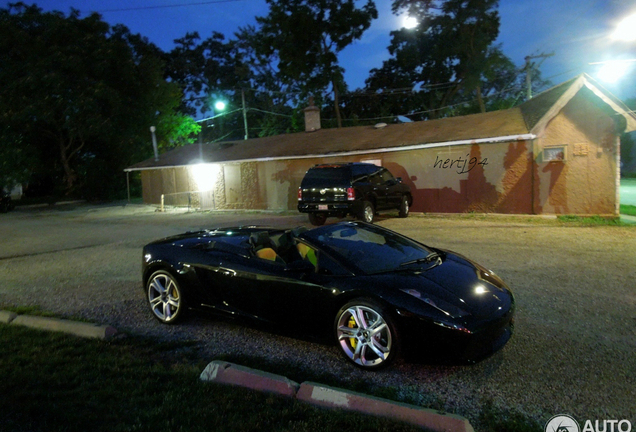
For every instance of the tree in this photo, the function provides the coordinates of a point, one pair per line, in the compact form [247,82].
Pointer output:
[81,95]
[305,37]
[628,146]
[203,68]
[448,58]
[275,103]
[16,160]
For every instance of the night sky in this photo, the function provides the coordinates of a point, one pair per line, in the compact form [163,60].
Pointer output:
[577,31]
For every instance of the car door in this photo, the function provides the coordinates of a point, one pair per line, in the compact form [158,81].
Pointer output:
[234,287]
[263,290]
[379,189]
[391,188]
[305,297]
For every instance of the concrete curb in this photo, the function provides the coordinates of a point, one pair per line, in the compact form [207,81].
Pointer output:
[320,395]
[330,397]
[81,329]
[6,317]
[227,373]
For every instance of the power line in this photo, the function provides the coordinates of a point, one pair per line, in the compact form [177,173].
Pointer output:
[204,3]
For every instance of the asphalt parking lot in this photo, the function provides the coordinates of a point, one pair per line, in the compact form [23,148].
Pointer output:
[574,350]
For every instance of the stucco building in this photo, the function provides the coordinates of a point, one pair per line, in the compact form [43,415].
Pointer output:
[558,153]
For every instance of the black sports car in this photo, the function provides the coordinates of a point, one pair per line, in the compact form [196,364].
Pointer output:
[379,292]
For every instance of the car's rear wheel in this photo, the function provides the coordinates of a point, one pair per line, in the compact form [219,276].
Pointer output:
[404,207]
[165,297]
[366,334]
[317,218]
[367,213]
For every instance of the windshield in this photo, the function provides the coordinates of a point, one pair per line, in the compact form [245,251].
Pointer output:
[368,248]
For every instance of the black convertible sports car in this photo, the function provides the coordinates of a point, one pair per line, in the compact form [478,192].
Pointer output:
[379,292]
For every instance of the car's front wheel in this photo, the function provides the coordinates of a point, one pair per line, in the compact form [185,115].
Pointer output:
[404,207]
[367,213]
[165,297]
[366,334]
[317,219]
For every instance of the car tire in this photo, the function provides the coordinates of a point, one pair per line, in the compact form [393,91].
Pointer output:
[165,297]
[366,334]
[404,206]
[317,219]
[367,213]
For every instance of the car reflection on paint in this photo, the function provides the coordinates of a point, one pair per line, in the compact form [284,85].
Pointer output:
[377,292]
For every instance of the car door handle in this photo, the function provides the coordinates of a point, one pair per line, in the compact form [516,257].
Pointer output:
[226,272]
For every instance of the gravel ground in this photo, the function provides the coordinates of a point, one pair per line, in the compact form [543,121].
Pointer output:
[573,351]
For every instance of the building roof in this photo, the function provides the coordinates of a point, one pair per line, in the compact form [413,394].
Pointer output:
[519,123]
[538,111]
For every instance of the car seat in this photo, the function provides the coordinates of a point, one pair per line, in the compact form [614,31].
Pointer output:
[307,253]
[263,246]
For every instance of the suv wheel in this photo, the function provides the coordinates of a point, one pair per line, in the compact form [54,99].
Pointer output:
[317,218]
[404,206]
[367,212]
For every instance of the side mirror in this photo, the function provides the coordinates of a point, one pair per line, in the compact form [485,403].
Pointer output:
[300,266]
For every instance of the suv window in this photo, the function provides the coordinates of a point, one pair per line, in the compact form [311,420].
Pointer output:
[386,176]
[328,173]
[375,178]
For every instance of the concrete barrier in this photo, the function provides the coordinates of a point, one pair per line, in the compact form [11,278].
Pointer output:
[229,373]
[81,329]
[325,396]
[6,317]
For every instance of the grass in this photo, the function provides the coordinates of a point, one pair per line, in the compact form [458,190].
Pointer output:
[590,220]
[26,310]
[628,210]
[56,382]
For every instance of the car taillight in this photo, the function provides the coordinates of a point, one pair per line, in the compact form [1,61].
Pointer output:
[351,194]
[300,194]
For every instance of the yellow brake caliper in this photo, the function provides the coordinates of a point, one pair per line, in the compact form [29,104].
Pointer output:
[352,324]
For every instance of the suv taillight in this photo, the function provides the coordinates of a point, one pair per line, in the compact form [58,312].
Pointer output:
[351,194]
[300,194]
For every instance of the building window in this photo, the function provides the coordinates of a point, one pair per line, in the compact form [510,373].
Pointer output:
[554,154]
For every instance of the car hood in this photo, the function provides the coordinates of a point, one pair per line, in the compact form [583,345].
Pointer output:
[462,287]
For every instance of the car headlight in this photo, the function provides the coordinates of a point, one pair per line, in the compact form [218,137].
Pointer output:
[443,306]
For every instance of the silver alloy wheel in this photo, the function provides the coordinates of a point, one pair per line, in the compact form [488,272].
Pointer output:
[364,336]
[367,212]
[164,297]
[404,206]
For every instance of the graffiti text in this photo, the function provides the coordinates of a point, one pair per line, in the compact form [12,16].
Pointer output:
[462,165]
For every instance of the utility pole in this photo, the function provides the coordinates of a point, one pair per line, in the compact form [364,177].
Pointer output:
[244,112]
[529,71]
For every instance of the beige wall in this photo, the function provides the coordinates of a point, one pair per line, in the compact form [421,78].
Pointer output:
[585,181]
[510,177]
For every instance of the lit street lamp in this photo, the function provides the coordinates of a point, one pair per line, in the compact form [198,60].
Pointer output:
[409,22]
[626,29]
[612,71]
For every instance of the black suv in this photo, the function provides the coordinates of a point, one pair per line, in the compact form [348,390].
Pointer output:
[359,189]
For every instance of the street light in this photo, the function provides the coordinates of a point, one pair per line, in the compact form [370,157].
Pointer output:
[612,71]
[409,22]
[219,106]
[626,29]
